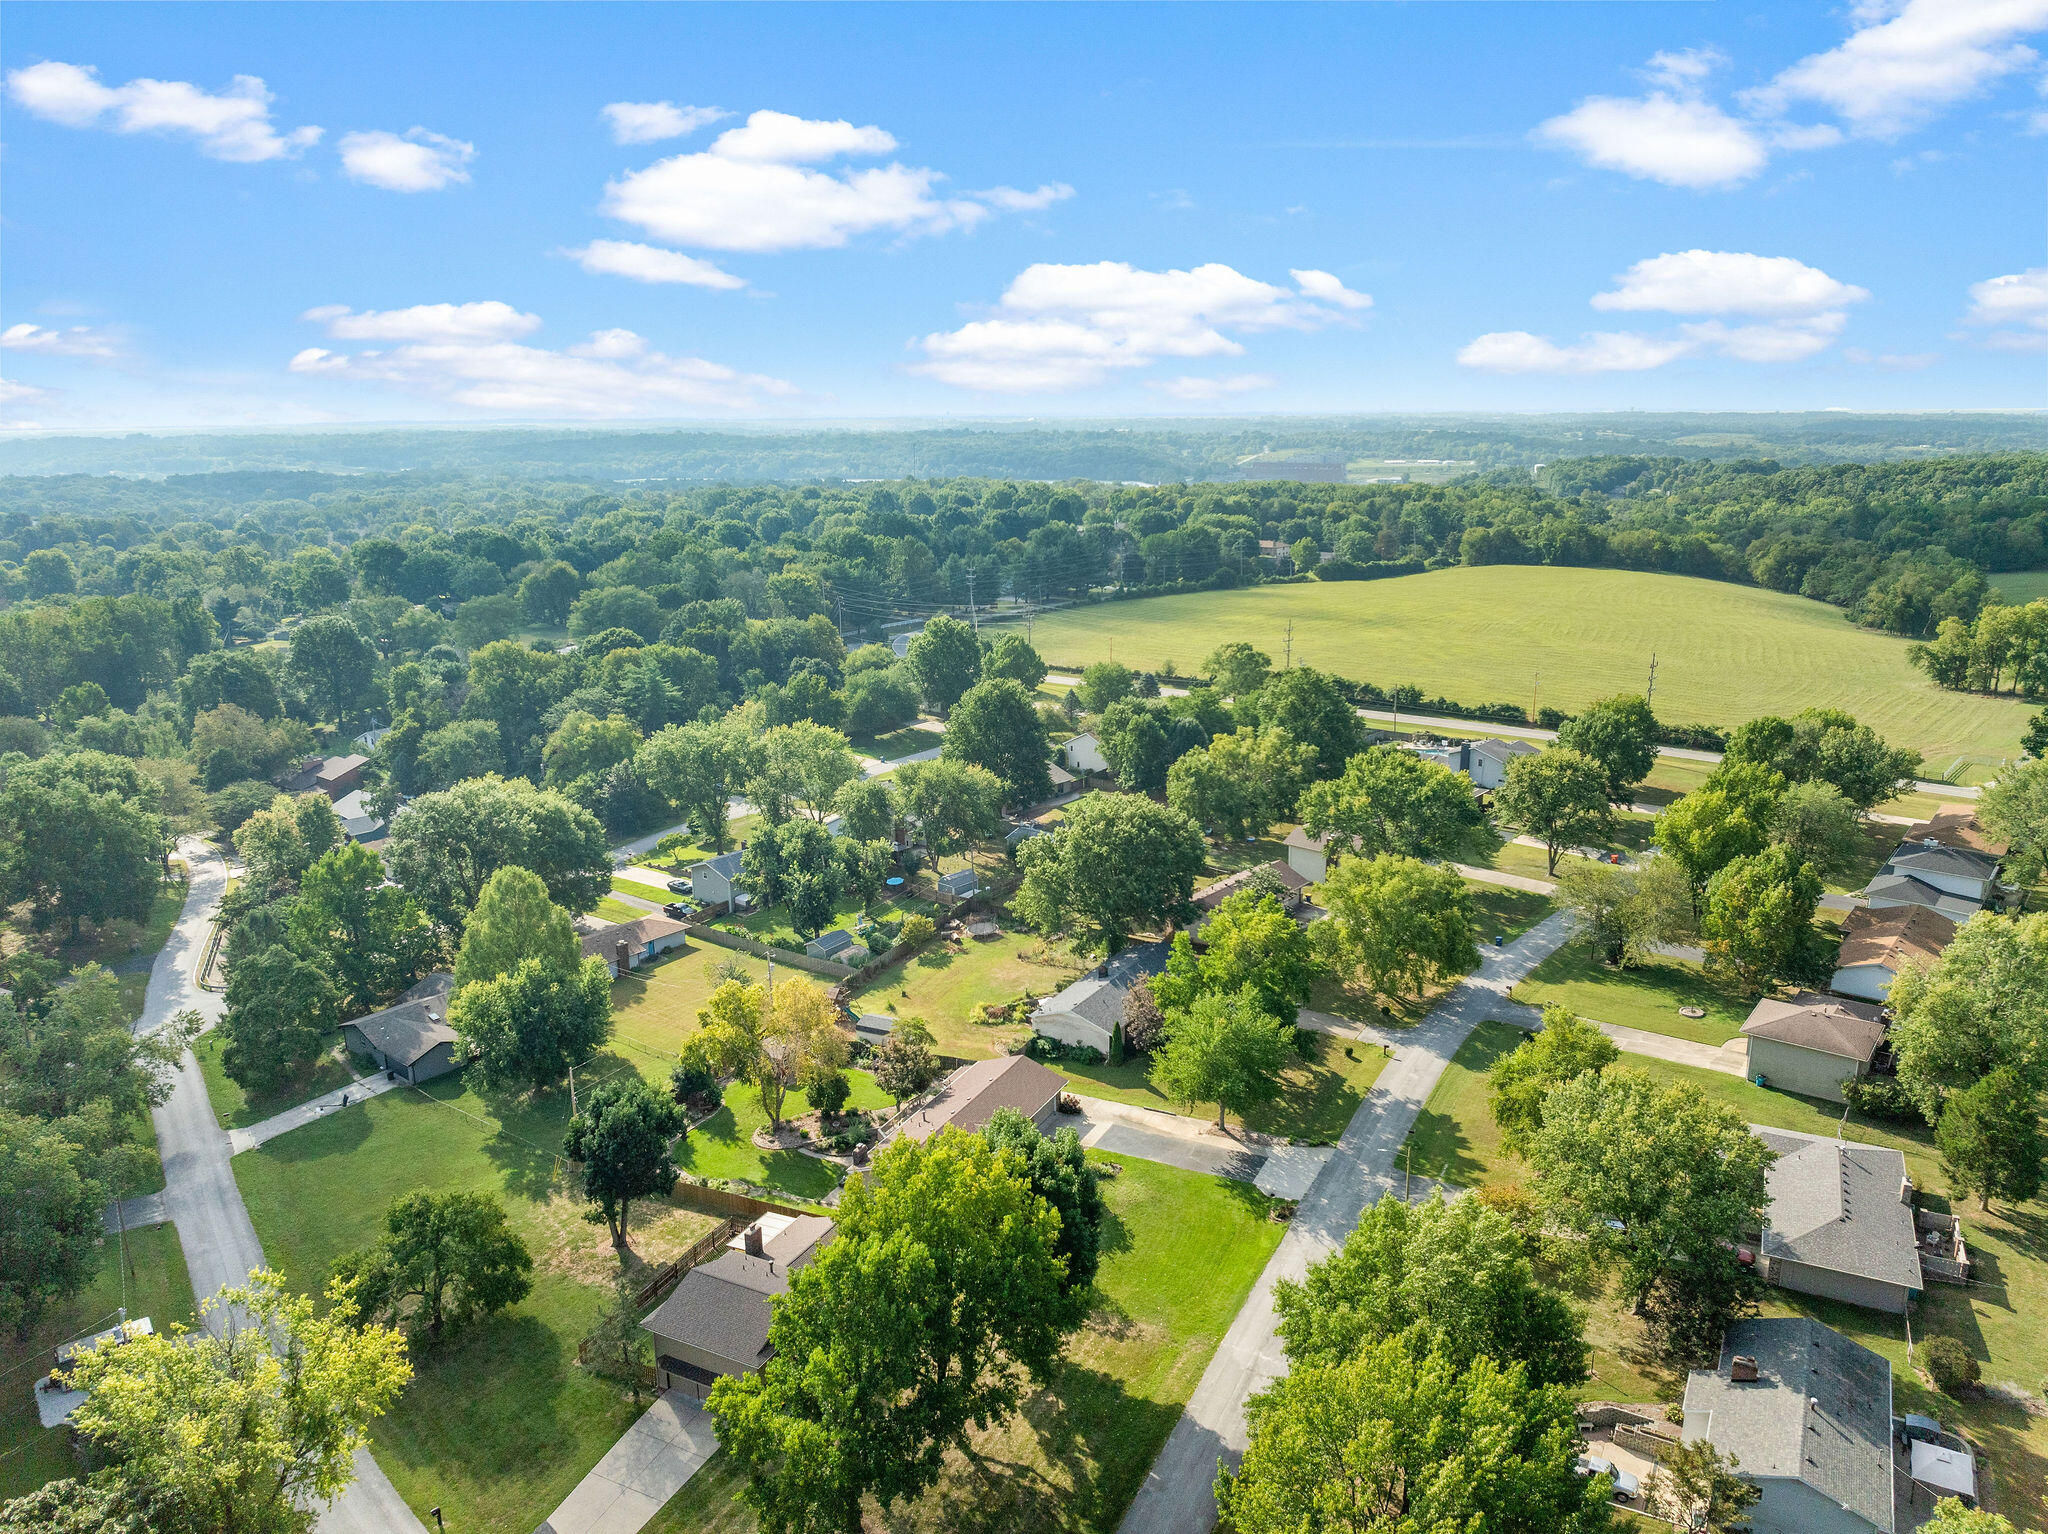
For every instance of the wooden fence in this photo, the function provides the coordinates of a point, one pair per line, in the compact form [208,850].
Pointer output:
[827,967]
[657,1288]
[722,1201]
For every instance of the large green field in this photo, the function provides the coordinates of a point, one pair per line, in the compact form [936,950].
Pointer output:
[1725,653]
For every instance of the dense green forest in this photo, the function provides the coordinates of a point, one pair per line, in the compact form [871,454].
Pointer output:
[1152,452]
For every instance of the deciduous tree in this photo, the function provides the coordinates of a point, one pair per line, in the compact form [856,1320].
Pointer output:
[1401,923]
[1696,1487]
[52,1209]
[1982,1005]
[1308,706]
[514,921]
[995,725]
[1222,1049]
[444,1260]
[1118,862]
[1392,801]
[281,1007]
[904,1066]
[1620,734]
[371,937]
[1820,827]
[1567,1048]
[1558,796]
[945,658]
[1990,1139]
[1237,670]
[1059,1173]
[624,1137]
[529,1025]
[1759,915]
[700,769]
[80,840]
[1240,783]
[446,846]
[335,667]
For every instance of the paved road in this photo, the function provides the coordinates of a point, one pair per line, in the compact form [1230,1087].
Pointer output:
[200,1196]
[1178,1495]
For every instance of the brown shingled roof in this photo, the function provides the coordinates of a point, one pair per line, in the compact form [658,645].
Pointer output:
[1849,1029]
[1954,825]
[1890,937]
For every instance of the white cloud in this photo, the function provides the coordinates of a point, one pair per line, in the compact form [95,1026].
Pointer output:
[416,161]
[488,320]
[1793,311]
[758,188]
[1890,362]
[1060,327]
[647,122]
[1610,351]
[1683,68]
[1010,200]
[1679,140]
[1196,390]
[650,263]
[2016,305]
[1905,62]
[1727,282]
[12,392]
[614,373]
[233,124]
[75,341]
[1328,289]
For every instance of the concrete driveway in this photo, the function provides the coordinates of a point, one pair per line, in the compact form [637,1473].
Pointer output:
[1218,1157]
[650,1463]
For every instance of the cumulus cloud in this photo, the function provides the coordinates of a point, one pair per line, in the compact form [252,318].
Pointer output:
[1683,68]
[2014,308]
[1904,63]
[1727,282]
[73,341]
[414,161]
[1786,311]
[1680,140]
[231,124]
[488,320]
[650,263]
[1325,288]
[648,122]
[1195,389]
[761,187]
[1060,327]
[14,393]
[467,354]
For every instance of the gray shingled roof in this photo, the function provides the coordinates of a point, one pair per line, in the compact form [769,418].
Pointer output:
[414,1024]
[1098,996]
[1958,862]
[726,866]
[1837,1206]
[1820,1411]
[722,1306]
[832,940]
[1851,1030]
[1904,889]
[1501,750]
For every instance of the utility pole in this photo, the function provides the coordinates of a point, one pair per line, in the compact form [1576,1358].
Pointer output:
[1535,692]
[1288,663]
[1653,678]
[972,616]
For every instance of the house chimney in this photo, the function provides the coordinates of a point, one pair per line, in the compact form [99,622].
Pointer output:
[624,956]
[1742,1369]
[1906,1191]
[754,1244]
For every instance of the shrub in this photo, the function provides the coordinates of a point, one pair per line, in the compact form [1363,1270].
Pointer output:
[918,929]
[1951,1365]
[692,1081]
[1881,1097]
[828,1091]
[1144,1023]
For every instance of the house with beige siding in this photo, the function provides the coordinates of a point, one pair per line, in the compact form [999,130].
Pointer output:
[1840,1222]
[1812,1044]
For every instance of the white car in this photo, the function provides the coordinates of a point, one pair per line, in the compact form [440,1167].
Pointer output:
[1626,1487]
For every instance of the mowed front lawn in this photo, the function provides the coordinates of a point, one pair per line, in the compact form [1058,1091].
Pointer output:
[1646,997]
[499,1422]
[1498,910]
[157,1287]
[233,1105]
[1319,1091]
[949,983]
[1181,1253]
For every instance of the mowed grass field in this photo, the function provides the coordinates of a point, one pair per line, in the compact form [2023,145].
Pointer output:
[1725,653]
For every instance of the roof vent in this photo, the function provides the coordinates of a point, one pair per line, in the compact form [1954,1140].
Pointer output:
[1742,1369]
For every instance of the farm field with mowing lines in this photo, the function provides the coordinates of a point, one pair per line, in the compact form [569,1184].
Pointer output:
[1725,653]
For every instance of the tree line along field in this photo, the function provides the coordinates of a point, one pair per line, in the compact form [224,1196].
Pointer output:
[1482,634]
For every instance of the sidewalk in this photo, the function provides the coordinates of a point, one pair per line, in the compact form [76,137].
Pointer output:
[650,1463]
[252,1135]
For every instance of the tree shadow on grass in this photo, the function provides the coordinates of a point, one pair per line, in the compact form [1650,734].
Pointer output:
[332,1134]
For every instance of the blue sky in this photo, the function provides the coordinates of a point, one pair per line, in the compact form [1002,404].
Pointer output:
[273,214]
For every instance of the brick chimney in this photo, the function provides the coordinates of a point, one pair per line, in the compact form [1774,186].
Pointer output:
[1742,1369]
[754,1245]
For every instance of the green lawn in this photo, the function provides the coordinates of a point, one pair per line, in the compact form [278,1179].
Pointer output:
[1725,653]
[1998,1317]
[609,910]
[1646,997]
[895,744]
[235,1108]
[157,1287]
[654,1008]
[722,1147]
[773,924]
[642,891]
[1506,912]
[947,985]
[1181,1253]
[499,1422]
[1318,1092]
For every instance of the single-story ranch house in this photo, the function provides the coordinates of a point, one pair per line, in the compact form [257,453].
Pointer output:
[1876,945]
[1812,1044]
[1840,1222]
[970,1097]
[1089,1009]
[625,945]
[716,1321]
[411,1036]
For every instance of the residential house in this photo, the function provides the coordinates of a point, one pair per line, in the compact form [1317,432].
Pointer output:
[332,775]
[1062,780]
[1954,825]
[1308,855]
[716,1320]
[359,822]
[1084,753]
[838,945]
[1889,891]
[626,945]
[1840,1222]
[1276,872]
[961,884]
[1089,1009]
[716,880]
[1962,871]
[1486,761]
[1809,1415]
[1876,945]
[970,1097]
[411,1037]
[1812,1044]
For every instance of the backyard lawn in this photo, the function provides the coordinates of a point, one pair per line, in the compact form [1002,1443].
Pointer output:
[895,744]
[1180,1253]
[773,924]
[1646,997]
[722,1149]
[654,1008]
[1318,1092]
[498,1422]
[947,985]
[235,1108]
[158,1288]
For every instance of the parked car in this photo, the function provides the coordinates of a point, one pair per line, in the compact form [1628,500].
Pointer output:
[678,909]
[1626,1487]
[679,886]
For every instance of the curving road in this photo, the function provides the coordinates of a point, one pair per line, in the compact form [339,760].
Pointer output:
[200,1196]
[1178,1496]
